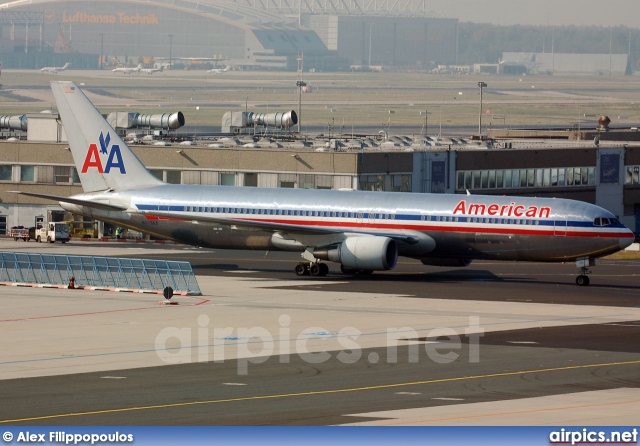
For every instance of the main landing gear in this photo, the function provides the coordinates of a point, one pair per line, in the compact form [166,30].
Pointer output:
[311,269]
[583,279]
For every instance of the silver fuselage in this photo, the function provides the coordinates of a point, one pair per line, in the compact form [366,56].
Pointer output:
[462,226]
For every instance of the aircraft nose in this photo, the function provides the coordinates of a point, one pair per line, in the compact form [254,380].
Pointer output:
[627,240]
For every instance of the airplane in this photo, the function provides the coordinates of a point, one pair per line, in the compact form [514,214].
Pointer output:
[54,70]
[219,70]
[151,70]
[128,70]
[362,231]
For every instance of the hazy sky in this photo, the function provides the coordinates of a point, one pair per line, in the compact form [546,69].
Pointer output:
[540,12]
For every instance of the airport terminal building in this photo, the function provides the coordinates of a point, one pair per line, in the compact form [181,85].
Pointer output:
[246,34]
[606,175]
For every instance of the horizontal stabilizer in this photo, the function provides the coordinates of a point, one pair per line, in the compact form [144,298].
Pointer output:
[87,203]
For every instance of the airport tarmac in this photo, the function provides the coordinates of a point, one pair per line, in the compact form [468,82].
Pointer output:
[512,343]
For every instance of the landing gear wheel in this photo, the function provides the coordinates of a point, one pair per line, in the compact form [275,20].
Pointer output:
[318,269]
[582,280]
[314,269]
[301,270]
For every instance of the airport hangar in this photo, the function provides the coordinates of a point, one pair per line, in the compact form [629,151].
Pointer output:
[249,34]
[607,174]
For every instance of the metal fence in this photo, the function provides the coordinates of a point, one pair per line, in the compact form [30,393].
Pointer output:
[102,272]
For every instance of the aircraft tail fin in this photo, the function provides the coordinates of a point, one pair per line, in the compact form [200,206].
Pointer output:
[65,66]
[103,159]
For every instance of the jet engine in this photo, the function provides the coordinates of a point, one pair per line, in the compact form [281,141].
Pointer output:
[279,120]
[362,253]
[17,122]
[130,120]
[170,121]
[445,261]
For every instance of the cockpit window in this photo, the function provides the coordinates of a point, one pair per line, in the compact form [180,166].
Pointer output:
[605,221]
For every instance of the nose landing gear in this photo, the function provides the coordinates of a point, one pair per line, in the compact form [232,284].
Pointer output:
[583,279]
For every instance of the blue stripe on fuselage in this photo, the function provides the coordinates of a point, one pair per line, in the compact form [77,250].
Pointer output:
[390,217]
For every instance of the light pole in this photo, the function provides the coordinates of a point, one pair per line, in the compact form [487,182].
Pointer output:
[481,85]
[370,32]
[170,49]
[300,84]
[101,48]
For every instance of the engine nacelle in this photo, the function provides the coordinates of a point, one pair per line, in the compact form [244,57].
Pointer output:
[445,261]
[362,253]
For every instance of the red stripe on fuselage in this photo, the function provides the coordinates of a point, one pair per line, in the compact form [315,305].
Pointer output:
[503,229]
[157,218]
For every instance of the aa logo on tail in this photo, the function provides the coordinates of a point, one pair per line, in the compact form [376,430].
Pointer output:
[93,158]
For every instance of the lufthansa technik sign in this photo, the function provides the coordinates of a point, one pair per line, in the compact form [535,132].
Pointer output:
[120,18]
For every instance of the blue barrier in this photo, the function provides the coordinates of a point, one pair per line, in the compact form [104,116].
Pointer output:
[99,272]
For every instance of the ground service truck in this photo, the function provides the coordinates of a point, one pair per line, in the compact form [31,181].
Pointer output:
[53,232]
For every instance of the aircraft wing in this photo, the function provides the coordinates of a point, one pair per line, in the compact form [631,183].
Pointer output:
[290,229]
[87,203]
[241,223]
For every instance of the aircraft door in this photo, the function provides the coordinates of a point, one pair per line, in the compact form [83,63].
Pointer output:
[560,228]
